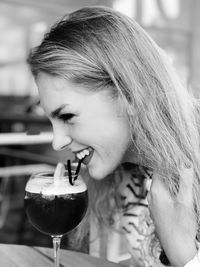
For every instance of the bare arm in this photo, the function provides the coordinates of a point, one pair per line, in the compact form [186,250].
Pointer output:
[174,218]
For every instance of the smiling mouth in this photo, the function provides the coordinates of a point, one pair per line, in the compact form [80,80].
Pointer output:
[84,155]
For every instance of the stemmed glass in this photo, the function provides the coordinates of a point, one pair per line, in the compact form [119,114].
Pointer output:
[56,205]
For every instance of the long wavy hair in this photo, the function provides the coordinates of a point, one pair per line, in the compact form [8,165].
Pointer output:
[100,48]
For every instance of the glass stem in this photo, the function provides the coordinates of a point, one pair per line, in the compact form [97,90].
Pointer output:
[56,249]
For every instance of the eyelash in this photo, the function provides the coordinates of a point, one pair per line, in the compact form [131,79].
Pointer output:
[66,117]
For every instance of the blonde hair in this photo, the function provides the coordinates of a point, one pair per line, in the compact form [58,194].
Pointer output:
[101,48]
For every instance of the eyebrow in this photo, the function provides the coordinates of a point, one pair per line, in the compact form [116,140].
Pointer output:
[57,111]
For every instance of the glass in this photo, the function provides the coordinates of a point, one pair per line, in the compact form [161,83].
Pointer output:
[54,206]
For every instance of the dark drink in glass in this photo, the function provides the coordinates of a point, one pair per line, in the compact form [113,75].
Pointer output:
[54,206]
[55,214]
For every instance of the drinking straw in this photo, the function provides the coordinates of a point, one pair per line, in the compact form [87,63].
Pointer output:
[69,171]
[77,170]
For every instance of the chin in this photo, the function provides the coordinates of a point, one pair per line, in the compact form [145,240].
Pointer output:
[98,174]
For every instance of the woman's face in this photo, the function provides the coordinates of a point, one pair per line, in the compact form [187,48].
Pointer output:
[90,123]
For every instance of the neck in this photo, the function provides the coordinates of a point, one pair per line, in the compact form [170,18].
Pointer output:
[131,156]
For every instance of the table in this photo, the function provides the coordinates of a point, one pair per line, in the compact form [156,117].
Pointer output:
[25,256]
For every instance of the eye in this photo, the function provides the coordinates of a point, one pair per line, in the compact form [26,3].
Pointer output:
[67,117]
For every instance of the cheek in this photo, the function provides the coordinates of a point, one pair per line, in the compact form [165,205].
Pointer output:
[118,134]
[108,134]
[114,143]
[87,132]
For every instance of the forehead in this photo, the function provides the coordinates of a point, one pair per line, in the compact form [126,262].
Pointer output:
[55,83]
[45,82]
[55,91]
[58,88]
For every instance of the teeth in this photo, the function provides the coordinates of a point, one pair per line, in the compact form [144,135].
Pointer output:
[78,156]
[83,154]
[87,152]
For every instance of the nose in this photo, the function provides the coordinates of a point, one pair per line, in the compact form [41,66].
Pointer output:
[61,138]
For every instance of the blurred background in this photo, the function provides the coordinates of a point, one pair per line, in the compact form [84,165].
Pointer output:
[173,24]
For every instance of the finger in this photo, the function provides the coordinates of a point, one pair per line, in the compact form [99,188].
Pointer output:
[186,184]
[159,185]
[186,178]
[159,192]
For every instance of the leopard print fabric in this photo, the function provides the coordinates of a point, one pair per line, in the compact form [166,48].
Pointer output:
[136,223]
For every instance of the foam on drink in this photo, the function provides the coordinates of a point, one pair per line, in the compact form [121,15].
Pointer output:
[59,185]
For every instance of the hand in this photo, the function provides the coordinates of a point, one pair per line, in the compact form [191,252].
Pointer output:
[174,217]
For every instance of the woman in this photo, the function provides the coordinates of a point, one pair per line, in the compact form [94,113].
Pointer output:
[113,99]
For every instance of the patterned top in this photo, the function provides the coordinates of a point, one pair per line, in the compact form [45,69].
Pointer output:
[136,223]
